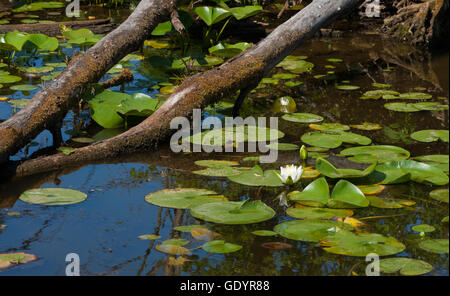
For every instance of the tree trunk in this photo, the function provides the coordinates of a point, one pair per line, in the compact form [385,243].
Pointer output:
[101,26]
[240,73]
[49,106]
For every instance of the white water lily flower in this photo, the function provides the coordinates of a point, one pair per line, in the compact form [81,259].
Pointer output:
[290,174]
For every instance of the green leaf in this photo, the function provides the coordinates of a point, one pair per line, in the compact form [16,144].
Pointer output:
[316,193]
[183,198]
[188,228]
[53,196]
[231,213]
[220,247]
[376,153]
[438,246]
[13,40]
[423,228]
[327,169]
[264,233]
[212,15]
[345,193]
[44,42]
[302,117]
[303,212]
[397,171]
[389,203]
[256,177]
[350,244]
[310,230]
[440,195]
[149,237]
[429,136]
[406,266]
[244,12]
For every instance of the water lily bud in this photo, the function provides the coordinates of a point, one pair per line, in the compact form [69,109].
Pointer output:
[303,153]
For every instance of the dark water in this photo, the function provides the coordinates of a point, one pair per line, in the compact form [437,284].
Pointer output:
[103,230]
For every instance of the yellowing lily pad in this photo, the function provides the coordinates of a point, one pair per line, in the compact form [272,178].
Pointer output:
[440,195]
[389,203]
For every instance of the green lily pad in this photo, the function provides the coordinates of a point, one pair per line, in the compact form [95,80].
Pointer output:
[227,50]
[401,171]
[406,266]
[183,198]
[303,212]
[218,172]
[381,85]
[264,233]
[293,83]
[330,127]
[244,12]
[351,244]
[297,66]
[9,78]
[438,246]
[212,15]
[347,87]
[23,87]
[429,136]
[19,103]
[39,6]
[188,228]
[302,117]
[53,196]
[379,93]
[13,41]
[423,228]
[316,193]
[445,219]
[376,153]
[37,70]
[345,194]
[389,203]
[175,242]
[216,163]
[438,158]
[329,170]
[149,237]
[310,230]
[415,96]
[239,134]
[220,247]
[66,150]
[440,195]
[257,177]
[283,146]
[232,213]
[284,76]
[431,106]
[402,107]
[324,140]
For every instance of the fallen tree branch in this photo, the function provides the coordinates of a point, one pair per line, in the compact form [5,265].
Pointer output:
[100,26]
[124,76]
[49,106]
[202,89]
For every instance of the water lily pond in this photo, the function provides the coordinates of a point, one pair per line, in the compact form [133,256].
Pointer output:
[369,129]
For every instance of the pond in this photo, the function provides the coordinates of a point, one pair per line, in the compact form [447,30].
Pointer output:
[326,76]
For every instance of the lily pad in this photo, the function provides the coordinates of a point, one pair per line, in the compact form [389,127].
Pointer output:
[379,93]
[283,146]
[244,12]
[302,117]
[297,66]
[218,172]
[149,237]
[316,193]
[257,177]
[204,234]
[53,196]
[232,213]
[310,230]
[212,15]
[415,96]
[362,244]
[173,250]
[220,247]
[330,127]
[10,259]
[38,70]
[329,170]
[347,87]
[23,87]
[375,153]
[346,194]
[264,233]
[371,189]
[429,136]
[406,266]
[367,126]
[183,198]
[389,203]
[302,212]
[423,228]
[438,246]
[188,228]
[402,107]
[440,195]
[401,171]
